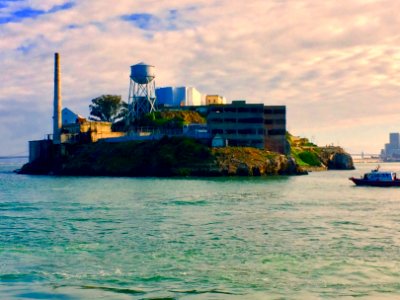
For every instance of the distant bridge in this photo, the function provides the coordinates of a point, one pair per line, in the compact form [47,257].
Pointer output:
[365,155]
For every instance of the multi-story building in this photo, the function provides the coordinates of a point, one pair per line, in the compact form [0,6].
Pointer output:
[394,139]
[392,149]
[253,125]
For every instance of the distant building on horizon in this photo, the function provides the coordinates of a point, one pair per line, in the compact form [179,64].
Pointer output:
[392,149]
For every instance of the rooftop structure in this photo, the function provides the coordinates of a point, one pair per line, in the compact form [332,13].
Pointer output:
[178,96]
[215,99]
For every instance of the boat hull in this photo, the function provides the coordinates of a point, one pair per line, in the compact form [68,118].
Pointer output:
[366,182]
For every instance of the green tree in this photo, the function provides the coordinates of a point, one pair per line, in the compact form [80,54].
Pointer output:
[108,108]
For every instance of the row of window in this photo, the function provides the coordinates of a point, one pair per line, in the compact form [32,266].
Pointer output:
[249,131]
[237,120]
[239,131]
[219,109]
[275,111]
[266,110]
[276,132]
[276,122]
[248,121]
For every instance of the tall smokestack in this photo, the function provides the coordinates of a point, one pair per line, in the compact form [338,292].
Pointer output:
[57,121]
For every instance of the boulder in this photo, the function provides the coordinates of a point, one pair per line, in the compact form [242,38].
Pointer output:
[340,161]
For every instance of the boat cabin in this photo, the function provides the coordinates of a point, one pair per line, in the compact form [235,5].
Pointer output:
[380,176]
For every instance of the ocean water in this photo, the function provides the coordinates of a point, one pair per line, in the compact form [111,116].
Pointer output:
[304,237]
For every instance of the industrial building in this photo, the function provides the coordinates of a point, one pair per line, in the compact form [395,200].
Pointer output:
[68,127]
[178,96]
[252,125]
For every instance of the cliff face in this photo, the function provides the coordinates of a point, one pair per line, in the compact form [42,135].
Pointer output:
[312,157]
[245,161]
[165,157]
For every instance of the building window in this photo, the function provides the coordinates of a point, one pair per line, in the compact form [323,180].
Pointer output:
[279,111]
[216,109]
[268,111]
[256,110]
[230,109]
[251,120]
[280,121]
[216,120]
[276,132]
[230,120]
[247,131]
[217,131]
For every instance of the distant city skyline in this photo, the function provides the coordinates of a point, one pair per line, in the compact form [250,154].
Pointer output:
[335,66]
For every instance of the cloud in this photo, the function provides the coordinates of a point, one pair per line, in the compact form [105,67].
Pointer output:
[334,66]
[30,13]
[172,19]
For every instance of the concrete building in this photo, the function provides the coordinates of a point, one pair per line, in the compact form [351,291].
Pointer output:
[215,99]
[178,96]
[87,131]
[253,125]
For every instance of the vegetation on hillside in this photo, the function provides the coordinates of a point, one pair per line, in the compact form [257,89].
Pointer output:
[310,156]
[304,152]
[164,157]
[170,119]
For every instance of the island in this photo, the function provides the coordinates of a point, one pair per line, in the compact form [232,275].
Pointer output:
[174,131]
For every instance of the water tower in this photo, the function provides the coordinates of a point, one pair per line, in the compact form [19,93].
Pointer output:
[142,95]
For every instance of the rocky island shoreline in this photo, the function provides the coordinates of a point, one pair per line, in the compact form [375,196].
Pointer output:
[180,156]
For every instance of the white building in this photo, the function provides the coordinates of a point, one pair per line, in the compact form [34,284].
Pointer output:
[179,96]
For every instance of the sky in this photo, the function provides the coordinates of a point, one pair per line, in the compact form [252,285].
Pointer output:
[334,64]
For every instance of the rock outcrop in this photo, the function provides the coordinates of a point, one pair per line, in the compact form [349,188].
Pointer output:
[335,158]
[246,161]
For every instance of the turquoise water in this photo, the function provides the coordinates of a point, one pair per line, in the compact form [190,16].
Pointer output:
[306,237]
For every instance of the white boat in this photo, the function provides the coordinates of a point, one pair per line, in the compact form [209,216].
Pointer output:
[377,178]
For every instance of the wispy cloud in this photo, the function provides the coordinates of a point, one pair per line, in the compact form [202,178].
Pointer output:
[20,14]
[171,19]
